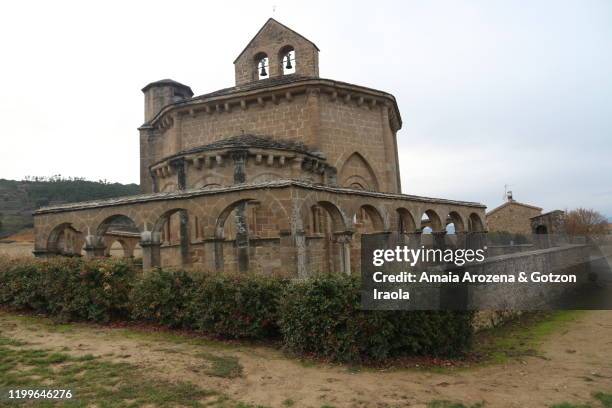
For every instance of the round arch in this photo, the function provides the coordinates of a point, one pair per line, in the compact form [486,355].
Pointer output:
[287,60]
[111,248]
[222,218]
[117,222]
[337,217]
[475,223]
[370,219]
[455,218]
[64,239]
[431,218]
[261,65]
[405,221]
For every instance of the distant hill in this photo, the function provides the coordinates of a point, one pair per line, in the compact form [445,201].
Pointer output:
[18,199]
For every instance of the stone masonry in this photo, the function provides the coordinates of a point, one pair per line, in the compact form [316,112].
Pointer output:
[280,174]
[513,217]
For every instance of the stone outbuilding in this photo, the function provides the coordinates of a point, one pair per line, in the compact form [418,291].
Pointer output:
[280,174]
[512,216]
[551,222]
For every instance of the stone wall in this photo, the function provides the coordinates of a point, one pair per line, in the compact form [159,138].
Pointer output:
[270,41]
[496,250]
[513,217]
[286,119]
[347,129]
[283,227]
[354,137]
[571,259]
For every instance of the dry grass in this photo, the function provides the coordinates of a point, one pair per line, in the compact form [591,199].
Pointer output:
[26,235]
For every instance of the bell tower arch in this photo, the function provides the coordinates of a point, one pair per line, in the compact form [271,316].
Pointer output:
[287,53]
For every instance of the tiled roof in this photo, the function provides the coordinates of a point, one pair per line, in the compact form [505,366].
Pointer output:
[262,83]
[512,202]
[249,140]
[240,187]
[166,82]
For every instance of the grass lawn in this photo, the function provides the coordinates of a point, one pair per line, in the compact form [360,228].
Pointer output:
[96,381]
[521,337]
[104,382]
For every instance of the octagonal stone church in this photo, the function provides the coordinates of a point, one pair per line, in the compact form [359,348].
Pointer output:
[280,174]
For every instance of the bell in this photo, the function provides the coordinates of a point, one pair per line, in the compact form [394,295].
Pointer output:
[263,72]
[288,66]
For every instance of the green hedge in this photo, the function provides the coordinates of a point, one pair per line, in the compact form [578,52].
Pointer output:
[237,306]
[231,306]
[319,316]
[323,316]
[163,297]
[68,288]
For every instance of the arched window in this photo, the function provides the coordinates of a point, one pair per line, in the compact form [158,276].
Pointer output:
[287,60]
[262,66]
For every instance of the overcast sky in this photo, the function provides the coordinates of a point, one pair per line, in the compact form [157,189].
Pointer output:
[490,92]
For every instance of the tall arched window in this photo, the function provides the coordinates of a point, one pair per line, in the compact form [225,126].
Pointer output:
[287,60]
[262,66]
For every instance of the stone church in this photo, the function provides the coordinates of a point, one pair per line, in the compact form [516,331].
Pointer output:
[279,174]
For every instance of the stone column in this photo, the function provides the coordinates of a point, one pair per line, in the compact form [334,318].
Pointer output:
[94,246]
[461,239]
[218,251]
[239,158]
[179,167]
[476,240]
[288,254]
[414,239]
[150,244]
[242,238]
[438,239]
[313,112]
[242,228]
[209,254]
[344,239]
[300,250]
[185,238]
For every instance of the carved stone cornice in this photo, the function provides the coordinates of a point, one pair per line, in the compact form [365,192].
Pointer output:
[363,97]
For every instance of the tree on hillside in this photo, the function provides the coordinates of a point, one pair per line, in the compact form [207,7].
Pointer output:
[585,222]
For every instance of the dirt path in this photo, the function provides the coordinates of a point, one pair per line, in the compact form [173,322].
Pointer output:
[573,363]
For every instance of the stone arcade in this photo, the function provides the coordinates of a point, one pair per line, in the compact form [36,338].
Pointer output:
[279,174]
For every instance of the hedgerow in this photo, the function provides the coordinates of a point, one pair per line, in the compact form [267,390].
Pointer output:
[68,288]
[323,316]
[319,316]
[163,297]
[237,305]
